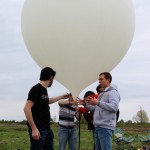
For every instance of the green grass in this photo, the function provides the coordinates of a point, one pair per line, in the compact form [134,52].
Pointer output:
[15,136]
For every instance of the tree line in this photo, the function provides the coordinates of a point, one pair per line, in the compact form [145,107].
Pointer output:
[140,118]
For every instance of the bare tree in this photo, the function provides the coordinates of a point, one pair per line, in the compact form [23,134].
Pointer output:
[141,116]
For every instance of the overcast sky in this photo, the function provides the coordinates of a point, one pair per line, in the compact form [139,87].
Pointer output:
[19,72]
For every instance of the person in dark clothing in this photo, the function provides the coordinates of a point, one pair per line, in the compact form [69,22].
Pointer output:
[37,112]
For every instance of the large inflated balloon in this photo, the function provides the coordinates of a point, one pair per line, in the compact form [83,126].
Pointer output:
[78,38]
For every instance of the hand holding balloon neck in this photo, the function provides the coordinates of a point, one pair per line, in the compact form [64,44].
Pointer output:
[80,101]
[75,102]
[72,101]
[67,95]
[91,100]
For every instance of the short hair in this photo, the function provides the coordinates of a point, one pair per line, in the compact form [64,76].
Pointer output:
[88,93]
[47,73]
[107,76]
[97,88]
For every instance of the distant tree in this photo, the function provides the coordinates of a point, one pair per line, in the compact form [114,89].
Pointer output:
[23,122]
[121,123]
[141,117]
[129,122]
[2,121]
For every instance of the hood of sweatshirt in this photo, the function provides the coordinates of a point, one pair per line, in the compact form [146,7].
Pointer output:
[112,87]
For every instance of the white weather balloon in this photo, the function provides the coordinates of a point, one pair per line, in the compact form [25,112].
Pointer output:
[78,38]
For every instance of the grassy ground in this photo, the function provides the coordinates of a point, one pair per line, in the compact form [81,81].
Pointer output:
[15,137]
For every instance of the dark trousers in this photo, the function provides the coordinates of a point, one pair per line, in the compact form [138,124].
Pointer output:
[45,142]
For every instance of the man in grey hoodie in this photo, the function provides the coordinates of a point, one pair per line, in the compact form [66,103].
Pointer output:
[104,108]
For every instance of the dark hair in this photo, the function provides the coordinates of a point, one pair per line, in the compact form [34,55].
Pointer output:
[97,88]
[47,73]
[88,93]
[107,76]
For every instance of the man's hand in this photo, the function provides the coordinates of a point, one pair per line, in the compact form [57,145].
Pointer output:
[36,134]
[80,101]
[55,99]
[75,102]
[77,108]
[65,96]
[91,101]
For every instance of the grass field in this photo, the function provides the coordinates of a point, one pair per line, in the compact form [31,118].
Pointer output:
[15,137]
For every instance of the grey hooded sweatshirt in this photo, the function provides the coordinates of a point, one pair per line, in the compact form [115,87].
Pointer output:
[105,111]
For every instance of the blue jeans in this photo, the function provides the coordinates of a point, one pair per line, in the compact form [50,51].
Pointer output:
[45,142]
[103,138]
[67,135]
